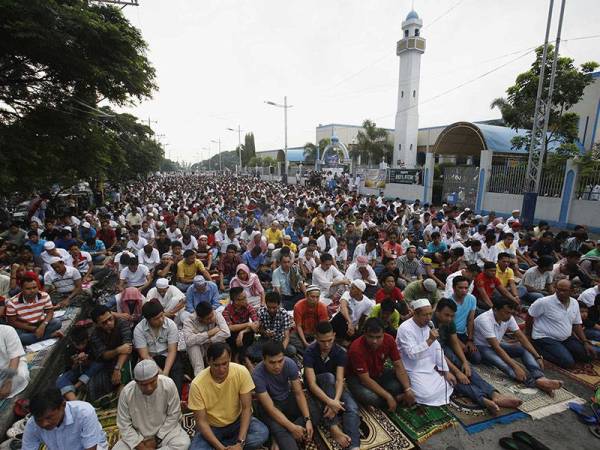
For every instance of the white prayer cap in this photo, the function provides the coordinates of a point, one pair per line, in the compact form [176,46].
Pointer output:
[145,370]
[516,211]
[67,228]
[162,283]
[86,225]
[54,259]
[360,284]
[305,240]
[429,285]
[49,245]
[271,246]
[420,303]
[203,236]
[313,288]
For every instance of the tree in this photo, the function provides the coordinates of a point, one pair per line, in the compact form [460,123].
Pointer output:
[311,151]
[519,105]
[373,144]
[248,149]
[58,60]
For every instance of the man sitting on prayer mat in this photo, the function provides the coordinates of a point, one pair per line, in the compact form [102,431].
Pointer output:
[490,328]
[422,355]
[470,383]
[557,332]
[149,412]
[62,425]
[368,379]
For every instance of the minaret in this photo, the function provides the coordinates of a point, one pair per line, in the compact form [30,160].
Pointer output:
[409,49]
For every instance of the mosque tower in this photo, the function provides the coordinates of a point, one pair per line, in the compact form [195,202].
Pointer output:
[409,49]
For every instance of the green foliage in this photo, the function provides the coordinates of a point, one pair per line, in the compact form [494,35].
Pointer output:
[167,165]
[373,144]
[519,105]
[248,149]
[58,60]
[311,151]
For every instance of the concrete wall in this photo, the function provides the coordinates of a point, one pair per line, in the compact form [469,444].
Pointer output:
[588,109]
[548,208]
[585,212]
[404,191]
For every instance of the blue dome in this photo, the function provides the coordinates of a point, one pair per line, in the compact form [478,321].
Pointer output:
[412,15]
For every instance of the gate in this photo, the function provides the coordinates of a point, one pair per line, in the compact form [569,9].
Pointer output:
[460,184]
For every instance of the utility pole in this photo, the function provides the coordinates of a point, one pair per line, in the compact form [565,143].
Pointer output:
[285,107]
[541,117]
[220,162]
[239,131]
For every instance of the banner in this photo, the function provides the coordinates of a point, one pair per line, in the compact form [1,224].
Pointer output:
[406,176]
[375,178]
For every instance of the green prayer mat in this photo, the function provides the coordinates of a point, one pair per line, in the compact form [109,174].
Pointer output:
[421,422]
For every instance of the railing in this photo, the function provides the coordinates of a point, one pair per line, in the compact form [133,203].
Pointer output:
[588,187]
[507,179]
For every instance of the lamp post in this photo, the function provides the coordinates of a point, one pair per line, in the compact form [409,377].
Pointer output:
[220,162]
[285,107]
[208,150]
[239,131]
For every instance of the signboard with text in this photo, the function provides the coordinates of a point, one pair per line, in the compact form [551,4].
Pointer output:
[406,176]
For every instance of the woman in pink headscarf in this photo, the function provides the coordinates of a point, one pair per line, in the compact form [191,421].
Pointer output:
[251,285]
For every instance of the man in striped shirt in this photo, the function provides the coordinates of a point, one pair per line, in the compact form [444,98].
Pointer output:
[63,282]
[31,312]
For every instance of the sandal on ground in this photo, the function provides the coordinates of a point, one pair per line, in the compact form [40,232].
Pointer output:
[585,414]
[528,439]
[513,444]
[595,430]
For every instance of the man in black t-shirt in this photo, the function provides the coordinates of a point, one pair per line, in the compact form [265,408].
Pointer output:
[324,364]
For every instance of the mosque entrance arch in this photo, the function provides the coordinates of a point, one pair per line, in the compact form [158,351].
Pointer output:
[335,157]
[458,148]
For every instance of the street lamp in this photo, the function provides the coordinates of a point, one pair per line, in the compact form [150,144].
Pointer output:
[220,162]
[208,159]
[239,143]
[285,107]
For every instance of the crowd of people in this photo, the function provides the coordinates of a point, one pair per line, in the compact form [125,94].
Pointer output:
[270,309]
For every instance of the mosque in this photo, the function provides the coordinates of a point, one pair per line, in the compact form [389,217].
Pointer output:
[460,142]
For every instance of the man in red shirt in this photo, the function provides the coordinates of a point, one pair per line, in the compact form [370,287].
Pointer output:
[107,235]
[485,285]
[369,382]
[391,248]
[308,312]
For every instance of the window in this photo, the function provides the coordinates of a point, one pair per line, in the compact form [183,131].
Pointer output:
[414,94]
[411,146]
[399,146]
[416,32]
[405,33]
[401,94]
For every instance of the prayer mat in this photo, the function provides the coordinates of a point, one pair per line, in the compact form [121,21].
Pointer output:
[536,403]
[475,418]
[420,422]
[587,374]
[377,432]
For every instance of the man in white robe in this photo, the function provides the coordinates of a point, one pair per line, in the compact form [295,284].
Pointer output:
[423,357]
[149,412]
[172,300]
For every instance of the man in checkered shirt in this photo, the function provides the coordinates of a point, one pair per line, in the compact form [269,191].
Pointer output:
[275,324]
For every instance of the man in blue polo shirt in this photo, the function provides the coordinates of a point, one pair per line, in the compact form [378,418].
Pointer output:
[465,317]
[62,425]
[324,364]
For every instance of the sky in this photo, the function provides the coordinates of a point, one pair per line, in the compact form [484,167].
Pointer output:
[218,61]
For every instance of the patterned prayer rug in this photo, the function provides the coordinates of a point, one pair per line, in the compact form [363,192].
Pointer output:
[377,432]
[475,418]
[421,422]
[587,374]
[536,403]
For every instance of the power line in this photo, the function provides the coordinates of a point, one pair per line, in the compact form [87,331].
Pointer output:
[435,97]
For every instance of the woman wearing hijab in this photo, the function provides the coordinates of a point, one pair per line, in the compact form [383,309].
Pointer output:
[251,285]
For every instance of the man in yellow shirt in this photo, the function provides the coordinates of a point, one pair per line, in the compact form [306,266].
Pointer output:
[221,398]
[188,268]
[273,234]
[506,276]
